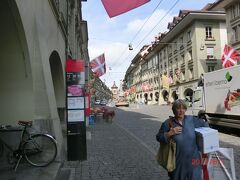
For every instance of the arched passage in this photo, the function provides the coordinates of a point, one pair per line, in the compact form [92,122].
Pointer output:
[156,96]
[174,95]
[58,83]
[16,89]
[165,95]
[145,98]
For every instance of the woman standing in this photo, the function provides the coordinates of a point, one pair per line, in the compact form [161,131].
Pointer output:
[183,133]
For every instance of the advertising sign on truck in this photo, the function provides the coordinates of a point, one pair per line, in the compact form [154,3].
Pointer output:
[218,101]
[222,91]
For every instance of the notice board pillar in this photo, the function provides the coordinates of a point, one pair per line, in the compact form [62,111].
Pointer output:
[75,103]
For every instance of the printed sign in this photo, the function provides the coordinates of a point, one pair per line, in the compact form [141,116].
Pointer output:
[75,78]
[75,102]
[75,115]
[221,165]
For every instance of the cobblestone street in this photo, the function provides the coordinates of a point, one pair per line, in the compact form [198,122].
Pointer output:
[126,148]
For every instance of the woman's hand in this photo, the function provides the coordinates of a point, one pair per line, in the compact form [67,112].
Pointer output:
[174,131]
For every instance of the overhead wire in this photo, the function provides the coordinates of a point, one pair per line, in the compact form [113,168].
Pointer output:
[148,33]
[125,50]
[152,30]
[159,22]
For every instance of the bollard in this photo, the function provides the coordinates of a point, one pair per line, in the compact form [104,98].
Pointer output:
[91,120]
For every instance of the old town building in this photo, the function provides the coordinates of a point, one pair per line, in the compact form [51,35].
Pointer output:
[170,66]
[36,39]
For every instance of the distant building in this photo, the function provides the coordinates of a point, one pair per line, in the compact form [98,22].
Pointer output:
[114,90]
[169,67]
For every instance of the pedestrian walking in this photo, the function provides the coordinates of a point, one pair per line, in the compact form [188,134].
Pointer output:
[182,131]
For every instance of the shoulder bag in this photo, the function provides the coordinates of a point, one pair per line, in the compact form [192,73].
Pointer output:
[166,155]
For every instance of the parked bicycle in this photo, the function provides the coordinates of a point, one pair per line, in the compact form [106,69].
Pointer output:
[38,149]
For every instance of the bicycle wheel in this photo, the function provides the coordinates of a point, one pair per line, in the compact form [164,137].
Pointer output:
[40,150]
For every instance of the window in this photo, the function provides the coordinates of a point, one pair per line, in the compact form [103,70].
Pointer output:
[235,11]
[175,46]
[183,75]
[165,65]
[181,40]
[182,58]
[210,51]
[160,57]
[169,49]
[211,68]
[235,34]
[181,43]
[189,36]
[164,54]
[238,9]
[150,64]
[190,73]
[208,32]
[190,55]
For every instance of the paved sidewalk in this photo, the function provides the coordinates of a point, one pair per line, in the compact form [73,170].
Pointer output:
[28,172]
[114,154]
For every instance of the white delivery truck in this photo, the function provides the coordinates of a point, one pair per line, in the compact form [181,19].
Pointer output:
[218,100]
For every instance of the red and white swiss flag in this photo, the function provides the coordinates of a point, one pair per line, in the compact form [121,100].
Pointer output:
[98,65]
[146,87]
[229,57]
[117,7]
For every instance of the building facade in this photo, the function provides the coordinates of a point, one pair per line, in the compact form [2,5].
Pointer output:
[36,39]
[232,9]
[171,65]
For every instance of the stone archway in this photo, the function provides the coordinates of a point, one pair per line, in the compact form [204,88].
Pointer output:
[156,96]
[174,95]
[16,90]
[165,95]
[151,96]
[145,98]
[58,83]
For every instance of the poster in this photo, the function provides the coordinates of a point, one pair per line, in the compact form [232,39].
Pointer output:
[75,90]
[221,165]
[75,115]
[75,102]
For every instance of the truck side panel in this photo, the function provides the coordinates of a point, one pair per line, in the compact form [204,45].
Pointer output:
[222,91]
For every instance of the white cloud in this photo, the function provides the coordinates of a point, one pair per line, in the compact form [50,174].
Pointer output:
[155,24]
[117,55]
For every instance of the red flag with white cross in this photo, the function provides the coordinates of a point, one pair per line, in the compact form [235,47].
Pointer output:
[98,65]
[229,57]
[146,87]
[117,7]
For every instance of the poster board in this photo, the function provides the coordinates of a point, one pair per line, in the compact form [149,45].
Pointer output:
[75,92]
[221,165]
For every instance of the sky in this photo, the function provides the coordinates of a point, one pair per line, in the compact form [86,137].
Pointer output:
[138,27]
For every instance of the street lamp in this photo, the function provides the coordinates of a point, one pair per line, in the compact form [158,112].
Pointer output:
[130,47]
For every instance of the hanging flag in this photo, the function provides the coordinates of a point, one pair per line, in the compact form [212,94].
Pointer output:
[117,7]
[229,57]
[98,65]
[165,82]
[146,87]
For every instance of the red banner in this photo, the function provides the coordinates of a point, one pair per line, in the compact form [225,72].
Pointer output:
[73,65]
[87,104]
